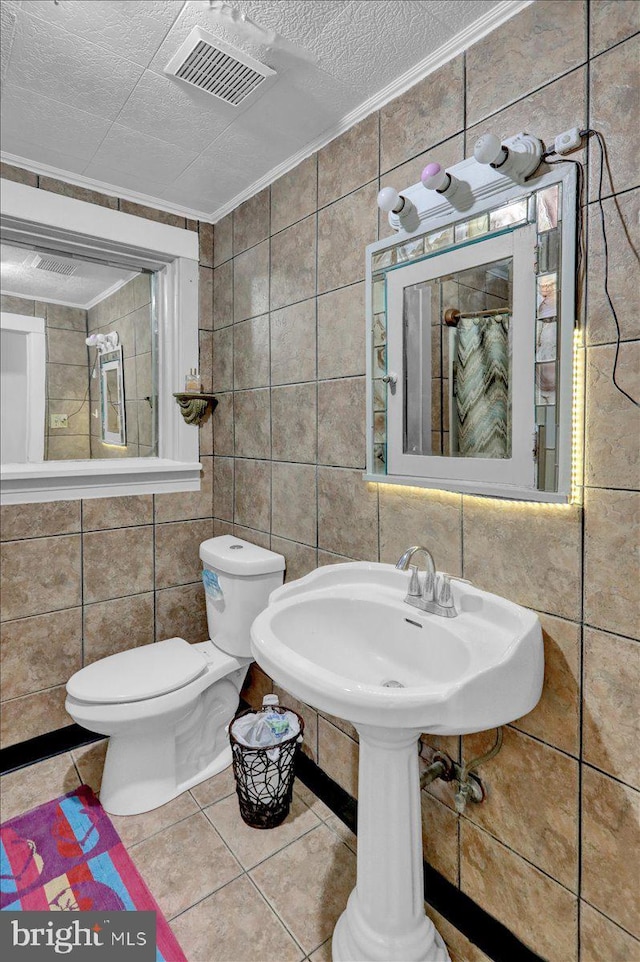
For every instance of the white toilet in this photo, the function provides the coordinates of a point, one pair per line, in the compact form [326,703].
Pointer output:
[166,706]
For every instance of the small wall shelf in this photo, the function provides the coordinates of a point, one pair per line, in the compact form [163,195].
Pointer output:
[193,405]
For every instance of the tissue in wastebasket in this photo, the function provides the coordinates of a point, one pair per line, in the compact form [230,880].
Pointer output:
[253,731]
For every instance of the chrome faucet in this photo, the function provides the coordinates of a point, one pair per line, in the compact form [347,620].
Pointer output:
[434,595]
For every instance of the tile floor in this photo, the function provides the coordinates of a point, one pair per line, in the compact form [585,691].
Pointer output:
[231,893]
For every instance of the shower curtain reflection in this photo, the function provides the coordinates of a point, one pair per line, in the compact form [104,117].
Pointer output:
[481,387]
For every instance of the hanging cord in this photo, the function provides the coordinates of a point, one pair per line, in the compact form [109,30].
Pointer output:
[86,393]
[605,244]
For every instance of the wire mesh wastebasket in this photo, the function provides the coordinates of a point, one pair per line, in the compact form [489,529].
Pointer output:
[264,776]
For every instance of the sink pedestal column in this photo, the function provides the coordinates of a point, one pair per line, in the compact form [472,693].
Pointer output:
[384,920]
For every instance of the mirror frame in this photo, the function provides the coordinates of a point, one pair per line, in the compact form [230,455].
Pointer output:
[59,223]
[485,190]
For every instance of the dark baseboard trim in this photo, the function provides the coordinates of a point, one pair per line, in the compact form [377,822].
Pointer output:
[491,936]
[45,746]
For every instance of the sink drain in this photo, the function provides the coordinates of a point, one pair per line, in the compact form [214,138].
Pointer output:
[392,684]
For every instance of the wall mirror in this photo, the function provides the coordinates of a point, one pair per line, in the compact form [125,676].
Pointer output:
[471,322]
[99,323]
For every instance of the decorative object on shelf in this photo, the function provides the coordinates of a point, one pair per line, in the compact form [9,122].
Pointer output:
[194,404]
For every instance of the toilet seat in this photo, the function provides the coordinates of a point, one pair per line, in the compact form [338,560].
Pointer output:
[139,673]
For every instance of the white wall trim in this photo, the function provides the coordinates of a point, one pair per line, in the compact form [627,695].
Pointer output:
[460,42]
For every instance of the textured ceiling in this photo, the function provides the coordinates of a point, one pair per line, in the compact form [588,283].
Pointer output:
[88,285]
[84,89]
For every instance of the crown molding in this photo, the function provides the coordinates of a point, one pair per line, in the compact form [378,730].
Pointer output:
[498,15]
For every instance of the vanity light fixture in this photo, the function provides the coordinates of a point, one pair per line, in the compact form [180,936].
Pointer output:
[435,177]
[391,202]
[517,157]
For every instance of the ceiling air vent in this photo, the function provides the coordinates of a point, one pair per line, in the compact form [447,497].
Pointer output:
[53,265]
[221,70]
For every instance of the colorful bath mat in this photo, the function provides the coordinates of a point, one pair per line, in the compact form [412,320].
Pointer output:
[66,855]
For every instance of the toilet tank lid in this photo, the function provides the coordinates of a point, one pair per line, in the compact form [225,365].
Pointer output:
[234,556]
[138,673]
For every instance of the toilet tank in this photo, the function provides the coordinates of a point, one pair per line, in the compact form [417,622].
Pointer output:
[246,575]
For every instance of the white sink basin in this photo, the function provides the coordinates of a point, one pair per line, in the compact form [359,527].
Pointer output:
[335,637]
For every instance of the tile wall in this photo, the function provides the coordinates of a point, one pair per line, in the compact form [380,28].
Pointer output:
[548,853]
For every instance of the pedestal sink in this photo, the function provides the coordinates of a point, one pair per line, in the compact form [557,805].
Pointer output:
[343,640]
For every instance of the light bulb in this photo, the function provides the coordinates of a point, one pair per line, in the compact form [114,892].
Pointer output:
[390,200]
[435,177]
[489,150]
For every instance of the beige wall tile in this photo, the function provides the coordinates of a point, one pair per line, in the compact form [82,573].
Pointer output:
[427,113]
[610,820]
[338,756]
[599,934]
[222,926]
[341,422]
[18,174]
[612,431]
[615,78]
[67,347]
[528,553]
[40,575]
[256,686]
[293,196]
[294,501]
[177,549]
[300,558]
[67,381]
[459,946]
[518,895]
[205,298]
[522,811]
[182,613]
[22,305]
[320,870]
[347,514]
[293,264]
[344,230]
[293,423]
[556,107]
[552,24]
[252,535]
[293,343]
[251,424]
[223,295]
[150,213]
[101,513]
[19,521]
[622,217]
[223,240]
[32,715]
[222,359]
[91,196]
[612,522]
[251,353]
[440,837]
[117,563]
[411,516]
[40,652]
[610,22]
[160,861]
[253,494]
[349,161]
[341,332]
[611,709]
[205,359]
[68,448]
[556,717]
[223,425]
[205,238]
[251,221]
[112,626]
[223,474]
[251,282]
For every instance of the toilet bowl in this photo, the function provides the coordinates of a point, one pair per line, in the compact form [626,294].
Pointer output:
[165,706]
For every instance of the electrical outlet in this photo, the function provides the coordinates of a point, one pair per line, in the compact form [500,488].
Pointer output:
[59,421]
[568,140]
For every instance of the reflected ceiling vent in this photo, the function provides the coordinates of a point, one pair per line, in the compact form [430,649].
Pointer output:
[53,265]
[221,70]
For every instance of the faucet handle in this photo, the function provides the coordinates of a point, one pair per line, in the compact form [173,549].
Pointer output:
[414,583]
[445,597]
